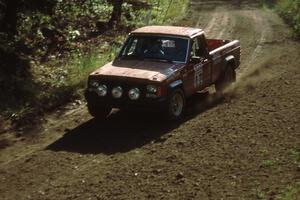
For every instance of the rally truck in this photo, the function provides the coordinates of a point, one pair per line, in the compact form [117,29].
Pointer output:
[158,68]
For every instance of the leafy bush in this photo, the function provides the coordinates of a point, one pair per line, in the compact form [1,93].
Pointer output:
[47,56]
[289,10]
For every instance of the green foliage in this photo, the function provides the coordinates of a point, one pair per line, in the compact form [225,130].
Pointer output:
[131,18]
[267,160]
[294,156]
[289,10]
[80,67]
[166,11]
[57,46]
[261,194]
[290,193]
[269,3]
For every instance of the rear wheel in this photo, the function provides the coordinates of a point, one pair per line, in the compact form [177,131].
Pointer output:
[99,111]
[226,79]
[176,104]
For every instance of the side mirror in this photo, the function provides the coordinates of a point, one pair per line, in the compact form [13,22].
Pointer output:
[195,59]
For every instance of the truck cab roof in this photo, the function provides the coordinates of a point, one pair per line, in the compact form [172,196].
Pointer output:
[168,30]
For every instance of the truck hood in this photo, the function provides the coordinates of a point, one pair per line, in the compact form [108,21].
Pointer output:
[139,69]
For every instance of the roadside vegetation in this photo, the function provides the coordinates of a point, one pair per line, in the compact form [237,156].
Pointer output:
[48,49]
[289,10]
[290,193]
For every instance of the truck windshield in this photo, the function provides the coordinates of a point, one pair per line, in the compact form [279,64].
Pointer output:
[160,48]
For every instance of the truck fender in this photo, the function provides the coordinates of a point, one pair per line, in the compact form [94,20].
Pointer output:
[230,61]
[175,84]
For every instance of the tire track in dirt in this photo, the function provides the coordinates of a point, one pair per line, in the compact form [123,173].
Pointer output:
[217,25]
[225,23]
[261,26]
[211,23]
[46,137]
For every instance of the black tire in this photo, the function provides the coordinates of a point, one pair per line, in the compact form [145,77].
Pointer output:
[99,112]
[225,80]
[175,104]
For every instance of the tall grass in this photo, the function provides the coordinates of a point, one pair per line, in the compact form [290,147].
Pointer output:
[167,11]
[58,84]
[162,12]
[290,193]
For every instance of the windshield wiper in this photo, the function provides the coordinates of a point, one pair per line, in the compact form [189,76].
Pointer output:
[167,60]
[132,57]
[161,59]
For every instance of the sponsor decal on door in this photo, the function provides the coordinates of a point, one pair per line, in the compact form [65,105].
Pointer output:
[198,77]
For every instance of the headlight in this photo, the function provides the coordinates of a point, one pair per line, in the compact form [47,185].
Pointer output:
[101,90]
[94,83]
[134,93]
[151,88]
[117,92]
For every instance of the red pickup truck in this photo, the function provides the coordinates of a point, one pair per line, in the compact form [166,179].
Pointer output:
[159,67]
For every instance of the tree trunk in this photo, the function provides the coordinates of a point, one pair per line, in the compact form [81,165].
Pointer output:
[9,21]
[115,18]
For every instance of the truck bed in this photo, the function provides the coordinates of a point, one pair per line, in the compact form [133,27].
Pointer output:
[213,44]
[220,49]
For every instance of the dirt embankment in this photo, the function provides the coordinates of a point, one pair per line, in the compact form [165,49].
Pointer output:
[245,146]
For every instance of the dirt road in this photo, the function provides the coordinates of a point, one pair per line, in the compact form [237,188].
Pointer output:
[245,146]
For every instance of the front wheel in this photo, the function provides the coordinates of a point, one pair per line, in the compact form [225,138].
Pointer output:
[176,104]
[99,112]
[225,80]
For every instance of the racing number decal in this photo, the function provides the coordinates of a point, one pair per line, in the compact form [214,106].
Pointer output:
[198,77]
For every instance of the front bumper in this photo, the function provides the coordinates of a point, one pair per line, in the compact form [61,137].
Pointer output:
[143,103]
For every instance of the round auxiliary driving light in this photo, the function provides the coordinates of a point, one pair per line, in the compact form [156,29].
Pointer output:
[151,88]
[94,83]
[101,90]
[134,93]
[117,92]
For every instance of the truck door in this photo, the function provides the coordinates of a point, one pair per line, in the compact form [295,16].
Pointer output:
[203,53]
[199,66]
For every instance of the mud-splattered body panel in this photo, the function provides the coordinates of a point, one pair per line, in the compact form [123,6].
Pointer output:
[202,63]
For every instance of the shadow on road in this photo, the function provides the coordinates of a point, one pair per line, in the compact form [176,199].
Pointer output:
[124,131]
